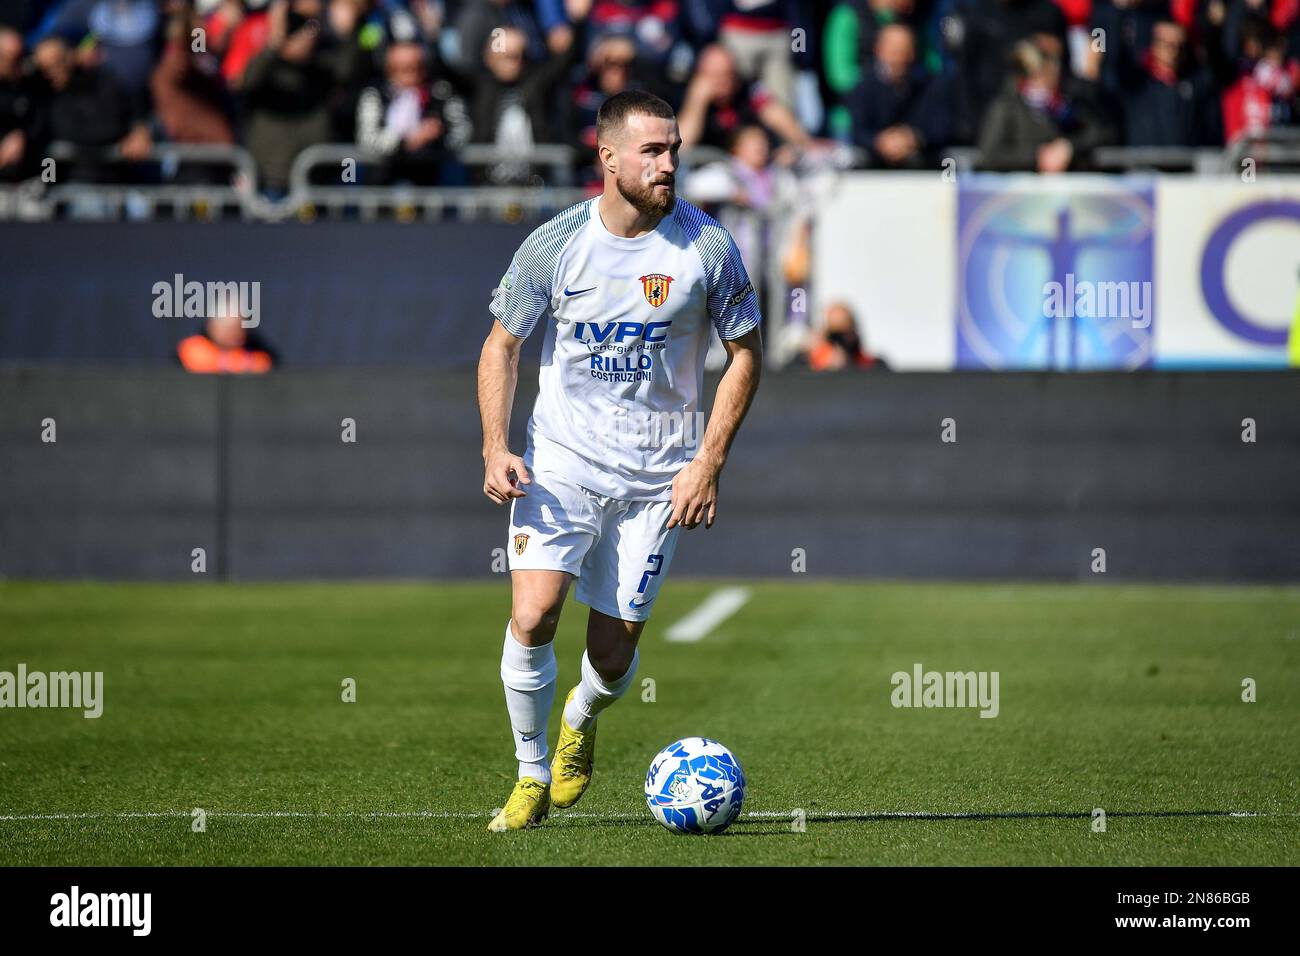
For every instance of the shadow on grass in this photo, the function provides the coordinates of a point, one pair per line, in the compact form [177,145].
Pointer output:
[814,817]
[779,825]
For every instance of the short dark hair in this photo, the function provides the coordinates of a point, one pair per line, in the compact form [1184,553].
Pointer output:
[614,111]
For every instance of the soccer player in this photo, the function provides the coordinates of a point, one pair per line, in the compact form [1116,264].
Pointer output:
[637,281]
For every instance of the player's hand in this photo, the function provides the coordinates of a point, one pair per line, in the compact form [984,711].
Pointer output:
[497,481]
[695,495]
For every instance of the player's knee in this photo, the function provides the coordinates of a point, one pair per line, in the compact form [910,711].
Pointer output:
[535,621]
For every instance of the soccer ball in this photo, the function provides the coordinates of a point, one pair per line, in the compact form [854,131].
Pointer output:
[695,786]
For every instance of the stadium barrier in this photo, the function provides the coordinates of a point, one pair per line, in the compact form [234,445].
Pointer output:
[1275,150]
[1124,159]
[161,189]
[329,293]
[845,476]
[534,201]
[170,162]
[1190,272]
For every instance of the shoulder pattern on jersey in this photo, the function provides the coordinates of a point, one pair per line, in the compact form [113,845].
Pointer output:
[525,290]
[731,300]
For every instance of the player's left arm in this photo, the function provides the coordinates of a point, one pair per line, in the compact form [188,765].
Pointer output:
[695,489]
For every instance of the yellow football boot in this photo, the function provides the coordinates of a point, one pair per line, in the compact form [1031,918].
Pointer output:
[528,806]
[571,768]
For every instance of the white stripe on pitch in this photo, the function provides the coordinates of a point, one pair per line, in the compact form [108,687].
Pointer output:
[585,815]
[717,607]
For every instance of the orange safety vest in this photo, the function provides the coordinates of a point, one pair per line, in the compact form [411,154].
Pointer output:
[198,353]
[819,358]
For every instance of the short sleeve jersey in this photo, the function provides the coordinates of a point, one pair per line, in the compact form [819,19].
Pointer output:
[623,356]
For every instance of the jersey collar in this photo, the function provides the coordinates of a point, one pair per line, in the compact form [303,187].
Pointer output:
[622,242]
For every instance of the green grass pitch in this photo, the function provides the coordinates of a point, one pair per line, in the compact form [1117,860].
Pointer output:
[228,698]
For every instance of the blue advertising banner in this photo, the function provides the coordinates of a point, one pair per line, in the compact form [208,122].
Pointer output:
[1055,273]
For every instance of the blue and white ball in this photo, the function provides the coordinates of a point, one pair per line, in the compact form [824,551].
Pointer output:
[695,786]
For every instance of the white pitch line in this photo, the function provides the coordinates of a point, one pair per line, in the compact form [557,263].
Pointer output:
[717,607]
[584,815]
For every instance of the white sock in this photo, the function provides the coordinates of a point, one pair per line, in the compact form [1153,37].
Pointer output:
[528,674]
[594,693]
[538,771]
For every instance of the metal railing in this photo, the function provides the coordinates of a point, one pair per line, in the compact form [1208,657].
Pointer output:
[173,191]
[1169,159]
[235,187]
[1276,149]
[351,193]
[166,192]
[1272,148]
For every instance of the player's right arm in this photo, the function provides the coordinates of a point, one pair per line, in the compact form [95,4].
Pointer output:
[518,302]
[498,373]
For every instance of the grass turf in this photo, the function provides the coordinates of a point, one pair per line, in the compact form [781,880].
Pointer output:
[228,698]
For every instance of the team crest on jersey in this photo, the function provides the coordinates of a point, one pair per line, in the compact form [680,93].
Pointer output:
[655,286]
[521,542]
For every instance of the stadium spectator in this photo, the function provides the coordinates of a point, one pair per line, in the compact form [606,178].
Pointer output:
[18,111]
[126,35]
[1168,99]
[1243,17]
[554,19]
[224,347]
[1078,41]
[514,100]
[482,21]
[900,113]
[1104,20]
[611,68]
[718,103]
[985,33]
[289,86]
[749,182]
[839,346]
[749,179]
[848,46]
[654,26]
[417,21]
[650,25]
[408,119]
[190,99]
[237,30]
[1265,93]
[82,105]
[907,78]
[1039,122]
[757,35]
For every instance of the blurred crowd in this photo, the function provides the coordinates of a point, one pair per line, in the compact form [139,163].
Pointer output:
[1034,84]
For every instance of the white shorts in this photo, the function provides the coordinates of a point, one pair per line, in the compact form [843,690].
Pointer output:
[618,550]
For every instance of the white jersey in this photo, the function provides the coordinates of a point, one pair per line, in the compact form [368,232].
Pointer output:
[623,361]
